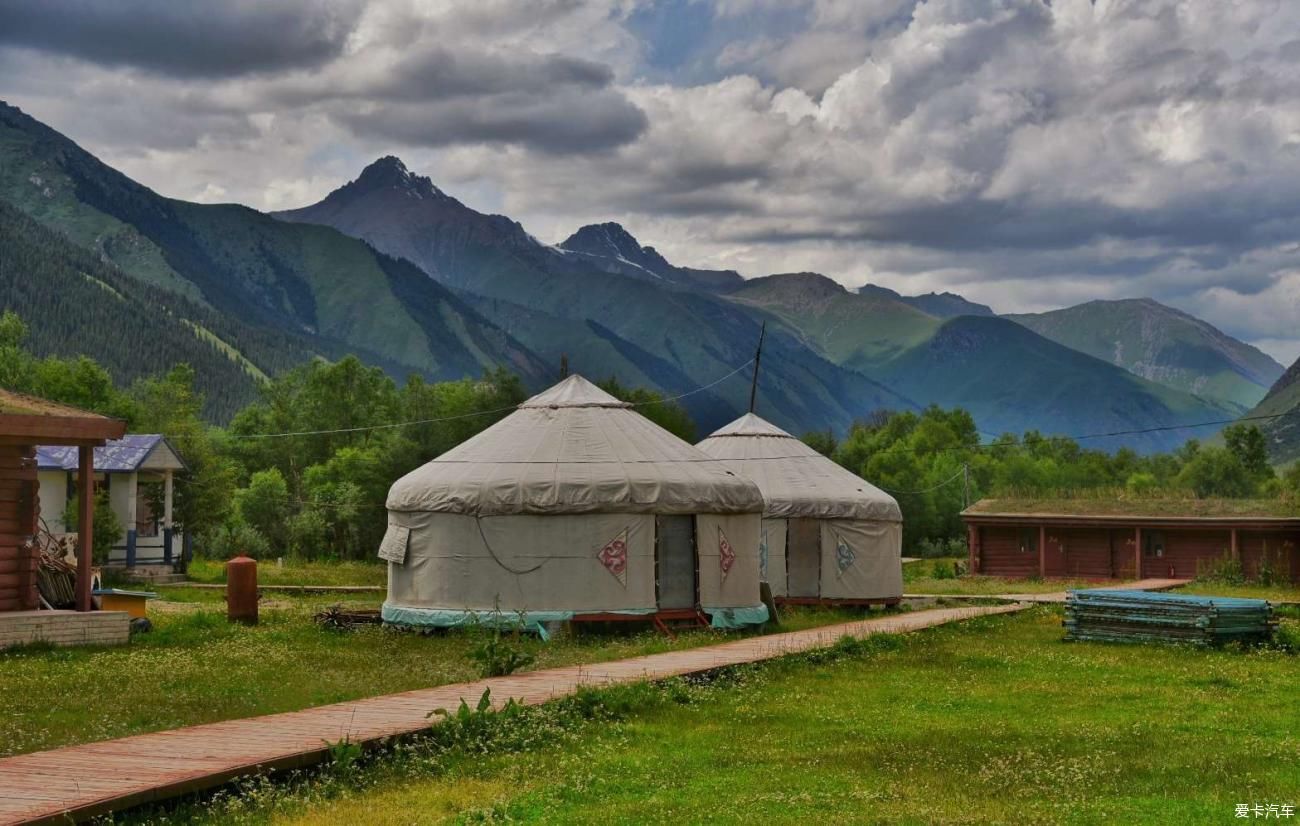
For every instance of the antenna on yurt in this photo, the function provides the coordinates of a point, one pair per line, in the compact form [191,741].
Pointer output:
[758,356]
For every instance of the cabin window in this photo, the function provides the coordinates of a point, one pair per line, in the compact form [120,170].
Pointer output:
[1029,540]
[1153,543]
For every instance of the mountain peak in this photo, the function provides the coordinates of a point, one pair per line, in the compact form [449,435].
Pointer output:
[389,172]
[609,238]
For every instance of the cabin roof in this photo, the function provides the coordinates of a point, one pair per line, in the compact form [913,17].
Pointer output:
[1119,509]
[133,452]
[33,420]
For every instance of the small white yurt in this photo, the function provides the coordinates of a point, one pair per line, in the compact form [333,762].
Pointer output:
[828,535]
[573,507]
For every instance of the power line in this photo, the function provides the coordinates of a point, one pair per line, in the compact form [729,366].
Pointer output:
[947,481]
[367,428]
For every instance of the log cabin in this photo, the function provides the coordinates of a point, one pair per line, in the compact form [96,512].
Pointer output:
[1122,539]
[25,422]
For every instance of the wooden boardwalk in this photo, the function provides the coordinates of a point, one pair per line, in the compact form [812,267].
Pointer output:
[78,782]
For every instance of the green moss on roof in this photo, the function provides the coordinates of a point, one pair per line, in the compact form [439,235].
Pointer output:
[20,404]
[1122,506]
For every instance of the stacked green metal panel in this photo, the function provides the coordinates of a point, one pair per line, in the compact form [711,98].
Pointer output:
[1106,615]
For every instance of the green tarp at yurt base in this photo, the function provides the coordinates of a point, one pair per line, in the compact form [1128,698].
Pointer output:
[569,506]
[827,533]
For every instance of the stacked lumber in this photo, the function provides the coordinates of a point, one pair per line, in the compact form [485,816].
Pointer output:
[1105,615]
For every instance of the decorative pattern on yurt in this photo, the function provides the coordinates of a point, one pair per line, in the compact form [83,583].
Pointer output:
[826,534]
[568,507]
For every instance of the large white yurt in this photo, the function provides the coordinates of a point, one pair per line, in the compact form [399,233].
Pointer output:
[828,535]
[573,507]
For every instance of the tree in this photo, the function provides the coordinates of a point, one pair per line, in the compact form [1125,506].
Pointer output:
[1216,471]
[264,506]
[669,415]
[823,442]
[106,528]
[1247,443]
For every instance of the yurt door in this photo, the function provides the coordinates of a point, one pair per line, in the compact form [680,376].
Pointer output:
[804,558]
[675,560]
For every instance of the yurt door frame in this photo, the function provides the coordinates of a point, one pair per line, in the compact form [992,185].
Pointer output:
[676,565]
[803,559]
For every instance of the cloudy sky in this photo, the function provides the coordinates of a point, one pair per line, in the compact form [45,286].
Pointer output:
[1026,154]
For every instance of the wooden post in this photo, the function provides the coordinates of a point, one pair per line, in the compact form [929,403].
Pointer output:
[85,523]
[1042,550]
[1137,553]
[1236,548]
[972,549]
[167,515]
[132,514]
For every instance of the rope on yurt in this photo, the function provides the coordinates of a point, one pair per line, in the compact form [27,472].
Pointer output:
[478,523]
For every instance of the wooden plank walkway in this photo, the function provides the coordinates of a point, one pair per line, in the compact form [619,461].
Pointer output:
[1059,596]
[78,782]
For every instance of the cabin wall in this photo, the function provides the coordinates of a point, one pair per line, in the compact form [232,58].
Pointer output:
[1080,552]
[1000,553]
[18,505]
[1184,551]
[54,498]
[1271,550]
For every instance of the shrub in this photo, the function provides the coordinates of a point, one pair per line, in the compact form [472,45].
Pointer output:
[107,528]
[1223,571]
[499,655]
[235,538]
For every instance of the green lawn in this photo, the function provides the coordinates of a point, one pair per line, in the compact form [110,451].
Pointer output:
[919,578]
[1273,593]
[197,668]
[297,572]
[990,721]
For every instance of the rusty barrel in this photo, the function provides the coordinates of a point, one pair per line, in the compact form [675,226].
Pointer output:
[241,590]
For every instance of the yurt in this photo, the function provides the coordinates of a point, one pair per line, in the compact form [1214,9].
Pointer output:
[828,536]
[573,507]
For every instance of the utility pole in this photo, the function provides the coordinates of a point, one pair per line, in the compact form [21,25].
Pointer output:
[758,356]
[564,365]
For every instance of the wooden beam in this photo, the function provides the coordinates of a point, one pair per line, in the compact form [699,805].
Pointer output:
[52,430]
[1236,548]
[972,549]
[85,523]
[1137,552]
[1042,550]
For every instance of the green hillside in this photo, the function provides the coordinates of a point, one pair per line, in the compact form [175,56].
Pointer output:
[1012,380]
[76,304]
[1163,345]
[856,331]
[1282,401]
[310,281]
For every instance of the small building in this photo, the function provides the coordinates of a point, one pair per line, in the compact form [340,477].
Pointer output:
[573,507]
[829,536]
[1127,539]
[25,422]
[137,472]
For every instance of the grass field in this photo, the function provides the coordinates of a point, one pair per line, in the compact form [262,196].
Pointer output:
[197,668]
[990,721]
[919,578]
[296,572]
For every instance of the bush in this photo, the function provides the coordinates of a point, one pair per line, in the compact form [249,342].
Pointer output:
[235,538]
[499,655]
[1222,571]
[107,528]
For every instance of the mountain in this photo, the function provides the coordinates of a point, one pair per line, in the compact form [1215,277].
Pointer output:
[939,305]
[1008,377]
[1282,401]
[613,249]
[607,320]
[74,303]
[1012,379]
[329,290]
[853,330]
[1164,345]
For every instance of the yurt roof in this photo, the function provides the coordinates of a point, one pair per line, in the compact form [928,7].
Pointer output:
[574,449]
[796,480]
